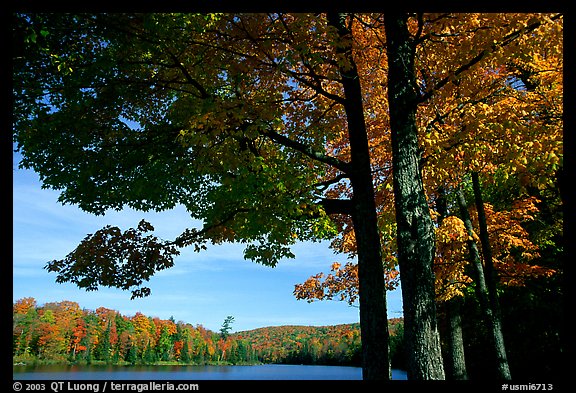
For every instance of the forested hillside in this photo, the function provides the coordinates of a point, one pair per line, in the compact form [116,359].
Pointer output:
[338,344]
[64,332]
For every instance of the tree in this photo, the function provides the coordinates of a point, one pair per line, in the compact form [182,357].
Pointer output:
[107,349]
[185,351]
[416,243]
[472,114]
[491,318]
[25,317]
[51,342]
[22,306]
[158,77]
[413,223]
[104,350]
[496,134]
[78,334]
[226,327]
[164,345]
[449,244]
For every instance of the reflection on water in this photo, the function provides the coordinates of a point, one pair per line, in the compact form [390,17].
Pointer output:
[258,372]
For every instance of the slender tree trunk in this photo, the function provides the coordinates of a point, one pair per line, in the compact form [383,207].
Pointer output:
[454,362]
[491,279]
[415,230]
[372,290]
[481,287]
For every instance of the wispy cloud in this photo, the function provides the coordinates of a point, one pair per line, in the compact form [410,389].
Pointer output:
[27,272]
[202,288]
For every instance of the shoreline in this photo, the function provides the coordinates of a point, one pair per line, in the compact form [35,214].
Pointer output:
[40,362]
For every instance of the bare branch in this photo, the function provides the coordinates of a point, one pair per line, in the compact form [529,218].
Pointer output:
[203,93]
[325,184]
[337,206]
[307,150]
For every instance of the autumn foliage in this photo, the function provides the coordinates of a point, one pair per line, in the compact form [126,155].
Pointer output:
[62,331]
[491,101]
[337,344]
[513,253]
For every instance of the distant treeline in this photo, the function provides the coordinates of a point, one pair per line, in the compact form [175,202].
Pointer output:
[62,332]
[329,345]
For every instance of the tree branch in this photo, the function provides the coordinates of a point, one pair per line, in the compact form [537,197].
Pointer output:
[337,206]
[307,150]
[480,56]
[190,236]
[325,184]
[203,93]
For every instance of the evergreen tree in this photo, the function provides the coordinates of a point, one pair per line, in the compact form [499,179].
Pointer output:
[104,348]
[149,355]
[226,327]
[164,345]
[132,354]
[185,352]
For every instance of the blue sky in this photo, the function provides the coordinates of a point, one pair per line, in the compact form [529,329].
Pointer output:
[202,288]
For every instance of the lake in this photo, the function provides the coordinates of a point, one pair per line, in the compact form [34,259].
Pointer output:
[257,372]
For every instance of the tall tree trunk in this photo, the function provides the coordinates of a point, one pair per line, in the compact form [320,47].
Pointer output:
[481,287]
[415,230]
[491,279]
[454,362]
[372,290]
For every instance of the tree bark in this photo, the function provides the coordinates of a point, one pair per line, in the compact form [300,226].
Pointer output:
[481,287]
[503,368]
[372,290]
[455,362]
[415,230]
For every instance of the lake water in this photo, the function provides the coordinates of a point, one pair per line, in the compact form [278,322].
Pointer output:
[257,372]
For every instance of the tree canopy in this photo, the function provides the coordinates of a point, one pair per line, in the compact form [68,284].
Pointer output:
[120,110]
